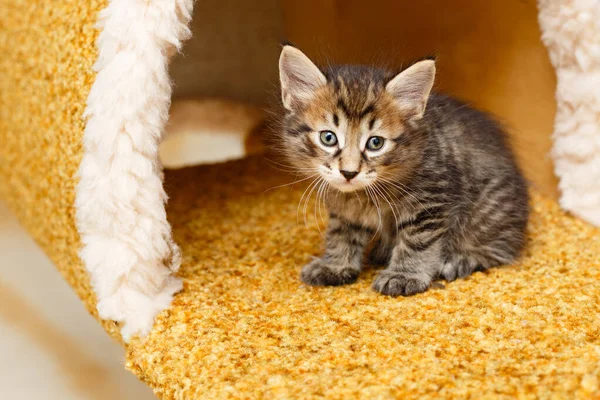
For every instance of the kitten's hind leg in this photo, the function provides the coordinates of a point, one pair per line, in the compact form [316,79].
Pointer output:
[460,264]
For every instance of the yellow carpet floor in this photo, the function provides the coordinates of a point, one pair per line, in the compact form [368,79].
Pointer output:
[246,327]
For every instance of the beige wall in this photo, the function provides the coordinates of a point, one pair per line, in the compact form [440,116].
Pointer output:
[490,54]
[233,52]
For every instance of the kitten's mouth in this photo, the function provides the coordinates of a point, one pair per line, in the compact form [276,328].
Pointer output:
[347,186]
[343,184]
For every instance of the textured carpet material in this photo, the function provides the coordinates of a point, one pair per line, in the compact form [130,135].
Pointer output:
[47,54]
[246,327]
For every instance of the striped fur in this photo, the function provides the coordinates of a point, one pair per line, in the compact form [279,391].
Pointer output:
[444,196]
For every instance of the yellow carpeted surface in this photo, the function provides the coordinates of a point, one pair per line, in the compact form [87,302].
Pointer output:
[46,56]
[246,327]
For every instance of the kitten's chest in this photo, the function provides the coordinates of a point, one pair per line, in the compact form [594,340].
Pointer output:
[363,210]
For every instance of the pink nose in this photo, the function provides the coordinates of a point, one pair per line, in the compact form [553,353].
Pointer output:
[349,174]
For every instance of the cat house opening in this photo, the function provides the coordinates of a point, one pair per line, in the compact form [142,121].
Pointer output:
[223,79]
[488,54]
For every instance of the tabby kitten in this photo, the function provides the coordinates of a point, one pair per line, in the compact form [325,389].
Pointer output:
[429,176]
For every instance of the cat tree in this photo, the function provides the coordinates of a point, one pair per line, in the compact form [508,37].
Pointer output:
[81,120]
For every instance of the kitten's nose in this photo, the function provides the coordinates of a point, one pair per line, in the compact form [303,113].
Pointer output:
[348,174]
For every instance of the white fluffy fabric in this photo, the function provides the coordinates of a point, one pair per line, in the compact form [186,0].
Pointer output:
[571,31]
[127,244]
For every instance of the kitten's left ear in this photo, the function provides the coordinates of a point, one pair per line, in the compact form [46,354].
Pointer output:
[411,88]
[299,76]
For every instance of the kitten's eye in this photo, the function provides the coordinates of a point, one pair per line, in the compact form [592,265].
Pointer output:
[328,138]
[375,143]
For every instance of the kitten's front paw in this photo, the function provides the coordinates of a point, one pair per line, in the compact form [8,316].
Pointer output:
[319,273]
[394,283]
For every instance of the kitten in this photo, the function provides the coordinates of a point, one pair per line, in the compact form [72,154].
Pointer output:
[432,178]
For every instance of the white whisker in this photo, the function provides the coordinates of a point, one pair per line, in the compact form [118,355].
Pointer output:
[372,197]
[307,200]
[302,197]
[381,191]
[318,204]
[324,194]
[401,187]
[292,183]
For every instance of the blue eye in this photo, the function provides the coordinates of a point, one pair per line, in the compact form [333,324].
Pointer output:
[328,138]
[375,143]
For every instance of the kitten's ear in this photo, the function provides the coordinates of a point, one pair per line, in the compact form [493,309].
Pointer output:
[299,77]
[411,88]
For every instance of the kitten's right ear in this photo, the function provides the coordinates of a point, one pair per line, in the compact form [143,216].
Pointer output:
[411,88]
[299,77]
